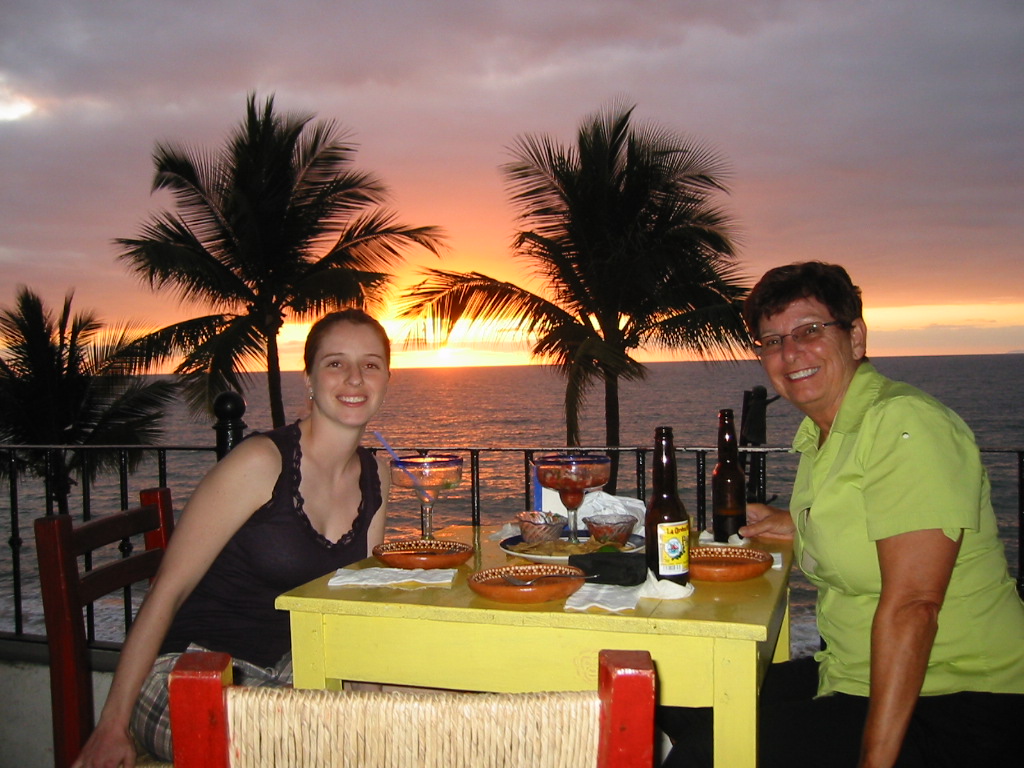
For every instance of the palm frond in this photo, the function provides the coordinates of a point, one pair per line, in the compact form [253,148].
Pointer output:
[376,242]
[221,363]
[445,298]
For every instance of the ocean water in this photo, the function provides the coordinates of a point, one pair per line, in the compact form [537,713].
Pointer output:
[522,407]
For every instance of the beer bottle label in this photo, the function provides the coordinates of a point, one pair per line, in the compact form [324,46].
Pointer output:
[673,548]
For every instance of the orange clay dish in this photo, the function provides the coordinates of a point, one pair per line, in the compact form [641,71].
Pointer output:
[727,563]
[490,583]
[423,553]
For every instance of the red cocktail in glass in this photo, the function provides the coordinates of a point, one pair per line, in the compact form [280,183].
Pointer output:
[572,476]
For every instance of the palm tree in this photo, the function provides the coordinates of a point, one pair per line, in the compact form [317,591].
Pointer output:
[275,223]
[622,230]
[73,381]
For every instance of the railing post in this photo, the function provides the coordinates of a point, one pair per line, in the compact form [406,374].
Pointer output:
[641,475]
[701,457]
[528,485]
[15,542]
[474,490]
[229,408]
[757,477]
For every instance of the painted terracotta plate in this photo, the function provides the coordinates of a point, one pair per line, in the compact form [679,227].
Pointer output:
[560,581]
[728,563]
[422,553]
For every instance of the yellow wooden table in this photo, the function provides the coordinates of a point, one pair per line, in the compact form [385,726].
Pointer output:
[711,649]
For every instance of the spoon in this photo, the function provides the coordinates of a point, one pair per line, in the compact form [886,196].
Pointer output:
[527,582]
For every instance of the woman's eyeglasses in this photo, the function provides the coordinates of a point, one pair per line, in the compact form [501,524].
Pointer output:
[802,334]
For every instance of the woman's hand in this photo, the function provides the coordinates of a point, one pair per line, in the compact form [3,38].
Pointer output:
[767,523]
[107,747]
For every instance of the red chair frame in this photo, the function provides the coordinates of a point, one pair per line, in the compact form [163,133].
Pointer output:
[66,592]
[626,685]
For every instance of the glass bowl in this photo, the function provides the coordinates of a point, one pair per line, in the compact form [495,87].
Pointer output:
[611,528]
[540,526]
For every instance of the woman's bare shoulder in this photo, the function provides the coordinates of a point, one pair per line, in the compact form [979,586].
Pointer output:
[257,449]
[253,463]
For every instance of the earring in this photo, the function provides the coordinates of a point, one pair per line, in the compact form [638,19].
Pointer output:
[310,394]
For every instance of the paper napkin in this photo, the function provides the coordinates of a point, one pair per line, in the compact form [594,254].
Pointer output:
[662,589]
[387,577]
[616,599]
[608,597]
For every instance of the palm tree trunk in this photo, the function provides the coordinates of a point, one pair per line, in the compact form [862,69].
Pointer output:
[274,381]
[59,481]
[572,428]
[612,426]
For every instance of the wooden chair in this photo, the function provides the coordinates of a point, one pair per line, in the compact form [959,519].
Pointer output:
[66,592]
[214,726]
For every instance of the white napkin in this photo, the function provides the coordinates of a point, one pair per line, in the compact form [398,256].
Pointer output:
[608,597]
[662,589]
[616,599]
[594,503]
[387,577]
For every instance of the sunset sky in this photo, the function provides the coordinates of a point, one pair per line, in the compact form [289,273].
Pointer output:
[886,135]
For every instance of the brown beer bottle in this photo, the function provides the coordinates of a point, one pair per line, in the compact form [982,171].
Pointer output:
[667,526]
[728,483]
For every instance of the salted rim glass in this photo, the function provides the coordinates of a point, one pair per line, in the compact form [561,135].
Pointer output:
[802,334]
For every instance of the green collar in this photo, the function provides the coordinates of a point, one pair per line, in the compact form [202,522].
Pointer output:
[860,395]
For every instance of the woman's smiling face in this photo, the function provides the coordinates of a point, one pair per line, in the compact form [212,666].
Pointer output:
[813,374]
[350,374]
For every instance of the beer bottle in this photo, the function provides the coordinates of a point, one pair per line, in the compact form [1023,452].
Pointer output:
[667,526]
[728,484]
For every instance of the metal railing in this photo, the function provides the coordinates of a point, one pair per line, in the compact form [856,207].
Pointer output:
[632,460]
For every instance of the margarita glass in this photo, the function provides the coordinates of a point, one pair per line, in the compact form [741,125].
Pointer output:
[572,476]
[430,477]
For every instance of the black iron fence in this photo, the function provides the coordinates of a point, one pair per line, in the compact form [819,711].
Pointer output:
[18,582]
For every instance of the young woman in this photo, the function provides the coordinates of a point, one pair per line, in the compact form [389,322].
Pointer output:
[281,509]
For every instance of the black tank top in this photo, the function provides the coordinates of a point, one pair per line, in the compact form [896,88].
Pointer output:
[277,549]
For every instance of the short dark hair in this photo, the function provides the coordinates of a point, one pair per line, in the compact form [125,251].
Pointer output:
[778,288]
[328,321]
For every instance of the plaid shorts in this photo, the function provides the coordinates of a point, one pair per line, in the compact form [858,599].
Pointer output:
[151,718]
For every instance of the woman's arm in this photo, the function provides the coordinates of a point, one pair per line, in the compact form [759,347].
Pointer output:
[768,523]
[916,568]
[226,497]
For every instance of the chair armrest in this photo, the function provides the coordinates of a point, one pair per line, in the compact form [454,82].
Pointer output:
[626,683]
[199,728]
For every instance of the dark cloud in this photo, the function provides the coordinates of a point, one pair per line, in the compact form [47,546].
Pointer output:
[883,134]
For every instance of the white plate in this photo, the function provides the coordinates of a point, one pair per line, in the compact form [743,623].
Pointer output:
[633,544]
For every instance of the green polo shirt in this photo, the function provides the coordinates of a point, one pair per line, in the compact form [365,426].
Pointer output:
[897,460]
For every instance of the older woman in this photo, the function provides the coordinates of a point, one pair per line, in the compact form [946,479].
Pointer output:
[923,654]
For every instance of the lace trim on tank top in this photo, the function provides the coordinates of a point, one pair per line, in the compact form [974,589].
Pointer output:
[299,503]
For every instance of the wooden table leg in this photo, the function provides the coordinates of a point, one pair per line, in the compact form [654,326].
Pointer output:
[308,651]
[735,702]
[782,648]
